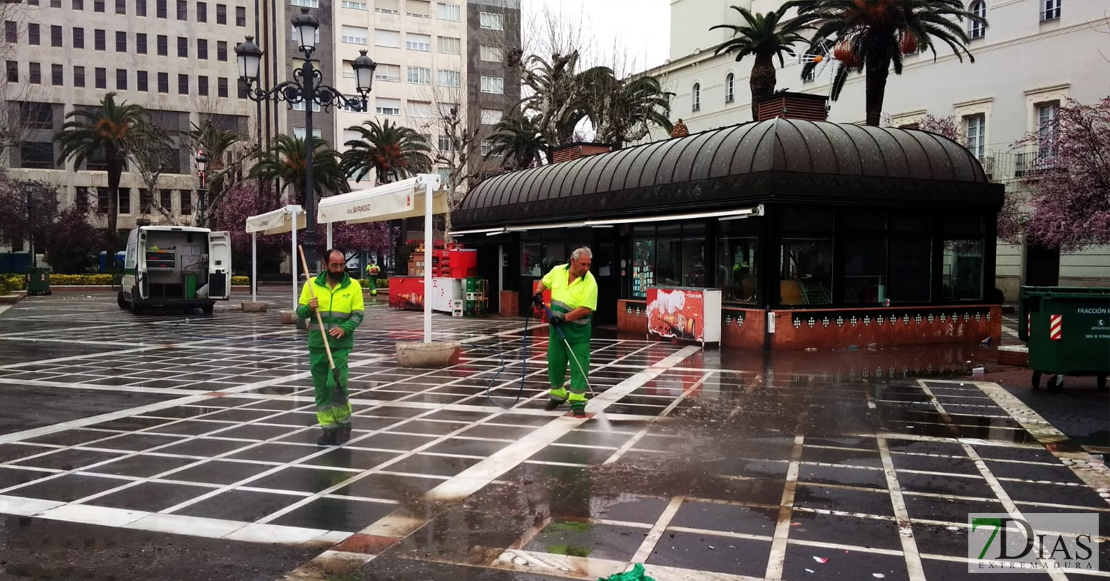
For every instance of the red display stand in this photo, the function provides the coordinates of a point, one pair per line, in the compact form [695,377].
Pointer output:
[406,293]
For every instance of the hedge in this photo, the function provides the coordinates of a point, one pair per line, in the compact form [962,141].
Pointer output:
[14,282]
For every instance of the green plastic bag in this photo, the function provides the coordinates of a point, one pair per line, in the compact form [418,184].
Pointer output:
[636,574]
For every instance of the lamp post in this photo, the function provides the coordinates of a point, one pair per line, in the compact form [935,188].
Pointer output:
[306,87]
[202,192]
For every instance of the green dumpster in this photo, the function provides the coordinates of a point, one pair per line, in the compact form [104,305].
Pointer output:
[1067,330]
[38,281]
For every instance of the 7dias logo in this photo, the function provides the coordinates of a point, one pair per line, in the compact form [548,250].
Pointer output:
[1000,543]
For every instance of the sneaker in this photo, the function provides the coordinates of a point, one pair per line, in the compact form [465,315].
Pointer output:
[343,435]
[553,403]
[328,437]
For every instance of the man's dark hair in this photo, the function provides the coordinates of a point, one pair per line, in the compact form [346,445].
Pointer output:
[327,255]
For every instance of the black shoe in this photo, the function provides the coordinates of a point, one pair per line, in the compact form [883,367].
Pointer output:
[579,412]
[328,438]
[343,435]
[553,403]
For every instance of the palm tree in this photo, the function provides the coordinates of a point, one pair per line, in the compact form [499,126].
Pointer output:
[102,133]
[215,142]
[556,93]
[623,111]
[285,161]
[764,36]
[394,152]
[871,35]
[519,141]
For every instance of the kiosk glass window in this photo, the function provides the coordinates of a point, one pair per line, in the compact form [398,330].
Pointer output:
[531,259]
[963,269]
[737,257]
[643,260]
[668,255]
[911,258]
[865,256]
[693,254]
[806,255]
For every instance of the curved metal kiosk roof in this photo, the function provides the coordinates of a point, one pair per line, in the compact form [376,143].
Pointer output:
[778,160]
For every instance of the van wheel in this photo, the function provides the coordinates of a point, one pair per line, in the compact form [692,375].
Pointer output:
[122,302]
[208,309]
[136,308]
[1102,382]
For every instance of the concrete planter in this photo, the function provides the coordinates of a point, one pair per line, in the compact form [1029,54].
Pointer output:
[428,355]
[253,307]
[288,317]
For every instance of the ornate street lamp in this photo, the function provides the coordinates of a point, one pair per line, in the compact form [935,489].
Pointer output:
[202,192]
[306,87]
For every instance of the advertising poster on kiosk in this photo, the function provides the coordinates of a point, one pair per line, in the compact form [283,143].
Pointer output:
[675,314]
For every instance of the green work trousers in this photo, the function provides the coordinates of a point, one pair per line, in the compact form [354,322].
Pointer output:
[558,357]
[333,407]
[372,285]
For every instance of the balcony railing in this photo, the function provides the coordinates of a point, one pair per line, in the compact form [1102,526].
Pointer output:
[1017,165]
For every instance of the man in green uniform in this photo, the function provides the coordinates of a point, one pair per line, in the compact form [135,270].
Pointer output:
[339,301]
[372,273]
[573,301]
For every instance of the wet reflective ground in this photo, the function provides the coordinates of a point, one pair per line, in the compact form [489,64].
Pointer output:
[174,431]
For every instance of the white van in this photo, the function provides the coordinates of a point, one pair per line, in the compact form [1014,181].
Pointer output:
[175,266]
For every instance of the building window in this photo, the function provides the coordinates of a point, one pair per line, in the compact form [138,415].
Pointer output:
[387,6]
[140,42]
[221,50]
[1047,127]
[183,10]
[300,133]
[493,85]
[121,6]
[13,71]
[81,199]
[144,201]
[202,12]
[695,98]
[487,147]
[182,84]
[450,45]
[101,81]
[186,203]
[142,82]
[221,14]
[1051,10]
[420,75]
[165,199]
[202,86]
[56,36]
[202,49]
[56,75]
[163,82]
[810,75]
[354,5]
[419,8]
[384,106]
[444,143]
[78,38]
[78,76]
[306,3]
[491,54]
[449,78]
[121,79]
[78,4]
[240,16]
[301,107]
[163,45]
[160,8]
[730,88]
[98,5]
[977,29]
[358,35]
[33,37]
[420,42]
[102,200]
[491,21]
[11,32]
[491,116]
[36,155]
[182,47]
[100,40]
[35,75]
[221,87]
[295,35]
[121,42]
[388,73]
[449,12]
[140,7]
[383,38]
[976,134]
[241,89]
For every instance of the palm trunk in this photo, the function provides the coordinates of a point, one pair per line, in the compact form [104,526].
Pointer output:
[115,172]
[877,72]
[762,82]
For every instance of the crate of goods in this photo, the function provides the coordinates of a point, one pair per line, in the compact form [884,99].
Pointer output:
[159,259]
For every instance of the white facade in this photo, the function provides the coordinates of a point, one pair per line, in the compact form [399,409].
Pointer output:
[1027,61]
[174,58]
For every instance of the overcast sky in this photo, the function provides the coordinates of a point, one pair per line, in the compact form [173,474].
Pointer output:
[642,26]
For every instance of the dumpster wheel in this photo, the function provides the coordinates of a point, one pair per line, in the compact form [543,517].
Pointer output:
[1056,384]
[1036,380]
